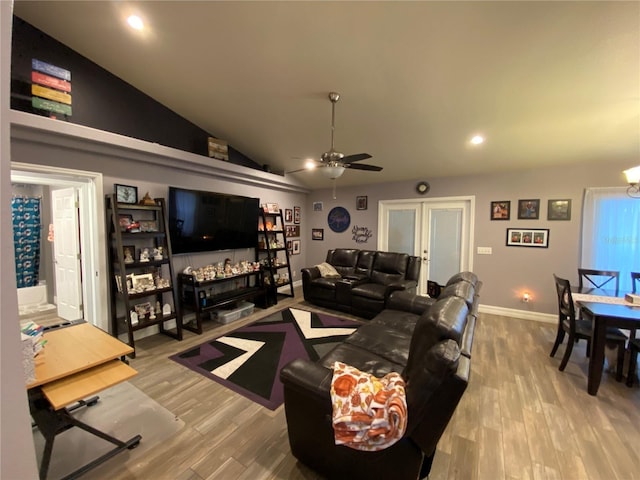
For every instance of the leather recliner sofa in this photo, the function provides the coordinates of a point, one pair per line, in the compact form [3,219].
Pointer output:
[367,279]
[428,341]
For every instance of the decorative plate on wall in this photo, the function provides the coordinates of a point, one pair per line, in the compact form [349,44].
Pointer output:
[338,219]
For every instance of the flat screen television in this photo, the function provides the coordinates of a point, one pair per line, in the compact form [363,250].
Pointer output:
[202,221]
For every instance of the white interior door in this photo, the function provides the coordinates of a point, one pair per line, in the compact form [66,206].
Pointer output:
[437,230]
[66,251]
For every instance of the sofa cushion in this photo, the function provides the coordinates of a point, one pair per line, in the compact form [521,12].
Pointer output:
[400,320]
[343,260]
[462,289]
[382,341]
[374,291]
[365,263]
[360,358]
[470,277]
[389,267]
[327,270]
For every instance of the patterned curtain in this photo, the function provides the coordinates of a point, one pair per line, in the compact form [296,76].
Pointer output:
[25,213]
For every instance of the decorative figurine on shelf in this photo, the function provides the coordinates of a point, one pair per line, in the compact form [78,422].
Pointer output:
[158,308]
[128,256]
[227,267]
[166,309]
[152,315]
[144,255]
[134,318]
[147,200]
[157,253]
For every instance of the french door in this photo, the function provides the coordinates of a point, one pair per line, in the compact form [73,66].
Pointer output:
[439,231]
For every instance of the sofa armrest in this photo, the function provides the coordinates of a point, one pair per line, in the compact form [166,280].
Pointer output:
[310,273]
[409,302]
[409,285]
[307,377]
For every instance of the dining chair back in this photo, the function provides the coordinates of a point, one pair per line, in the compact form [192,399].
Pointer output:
[634,349]
[579,329]
[598,279]
[635,279]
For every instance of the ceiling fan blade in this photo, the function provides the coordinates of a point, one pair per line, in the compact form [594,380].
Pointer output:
[363,166]
[355,158]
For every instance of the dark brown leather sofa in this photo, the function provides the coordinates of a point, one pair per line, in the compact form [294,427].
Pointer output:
[429,342]
[367,279]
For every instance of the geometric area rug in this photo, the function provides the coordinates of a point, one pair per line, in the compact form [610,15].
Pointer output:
[248,360]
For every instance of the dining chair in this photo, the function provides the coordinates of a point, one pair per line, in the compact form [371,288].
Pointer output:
[579,329]
[598,279]
[635,277]
[634,349]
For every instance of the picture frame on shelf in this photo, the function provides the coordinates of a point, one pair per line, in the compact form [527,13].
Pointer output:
[288,215]
[529,209]
[296,215]
[317,206]
[273,208]
[126,193]
[142,309]
[361,202]
[501,210]
[143,281]
[528,237]
[125,221]
[317,234]
[148,225]
[295,247]
[559,209]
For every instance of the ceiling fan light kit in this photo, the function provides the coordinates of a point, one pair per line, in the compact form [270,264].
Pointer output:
[332,162]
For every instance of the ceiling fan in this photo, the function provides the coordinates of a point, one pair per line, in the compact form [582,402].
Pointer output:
[333,163]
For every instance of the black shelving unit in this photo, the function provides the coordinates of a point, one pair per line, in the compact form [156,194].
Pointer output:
[273,254]
[203,296]
[132,229]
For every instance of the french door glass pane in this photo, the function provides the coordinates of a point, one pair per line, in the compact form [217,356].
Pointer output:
[402,225]
[445,237]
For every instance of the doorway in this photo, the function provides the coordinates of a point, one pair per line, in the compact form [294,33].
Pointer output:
[438,230]
[86,186]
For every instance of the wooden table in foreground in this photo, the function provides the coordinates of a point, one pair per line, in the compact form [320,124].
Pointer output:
[77,361]
[604,315]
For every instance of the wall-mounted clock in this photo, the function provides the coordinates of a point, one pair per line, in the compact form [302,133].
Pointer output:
[126,193]
[423,187]
[338,219]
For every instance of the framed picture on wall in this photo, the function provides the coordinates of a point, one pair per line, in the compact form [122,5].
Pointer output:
[295,247]
[317,206]
[529,209]
[559,210]
[296,214]
[361,202]
[288,215]
[501,210]
[528,237]
[317,234]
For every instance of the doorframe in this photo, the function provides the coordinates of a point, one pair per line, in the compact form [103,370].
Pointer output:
[92,230]
[468,223]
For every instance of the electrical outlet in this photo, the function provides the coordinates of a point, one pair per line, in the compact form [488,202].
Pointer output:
[484,251]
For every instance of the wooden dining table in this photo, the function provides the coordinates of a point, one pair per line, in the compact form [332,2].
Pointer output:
[605,309]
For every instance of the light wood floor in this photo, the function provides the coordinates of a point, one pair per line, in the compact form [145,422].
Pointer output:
[520,418]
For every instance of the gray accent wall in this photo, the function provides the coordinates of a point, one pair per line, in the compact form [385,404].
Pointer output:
[509,270]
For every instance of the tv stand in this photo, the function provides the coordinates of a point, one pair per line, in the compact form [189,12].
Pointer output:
[200,297]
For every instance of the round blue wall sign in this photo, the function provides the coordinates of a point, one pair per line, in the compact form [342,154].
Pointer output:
[338,219]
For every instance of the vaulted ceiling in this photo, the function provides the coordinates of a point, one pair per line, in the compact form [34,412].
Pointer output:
[545,82]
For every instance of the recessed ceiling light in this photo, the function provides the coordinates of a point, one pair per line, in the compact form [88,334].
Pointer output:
[477,139]
[135,22]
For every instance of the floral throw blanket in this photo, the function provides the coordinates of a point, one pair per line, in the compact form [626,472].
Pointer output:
[369,413]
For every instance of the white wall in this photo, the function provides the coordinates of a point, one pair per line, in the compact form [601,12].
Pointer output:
[17,454]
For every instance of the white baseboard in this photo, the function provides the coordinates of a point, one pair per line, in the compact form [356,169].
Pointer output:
[521,314]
